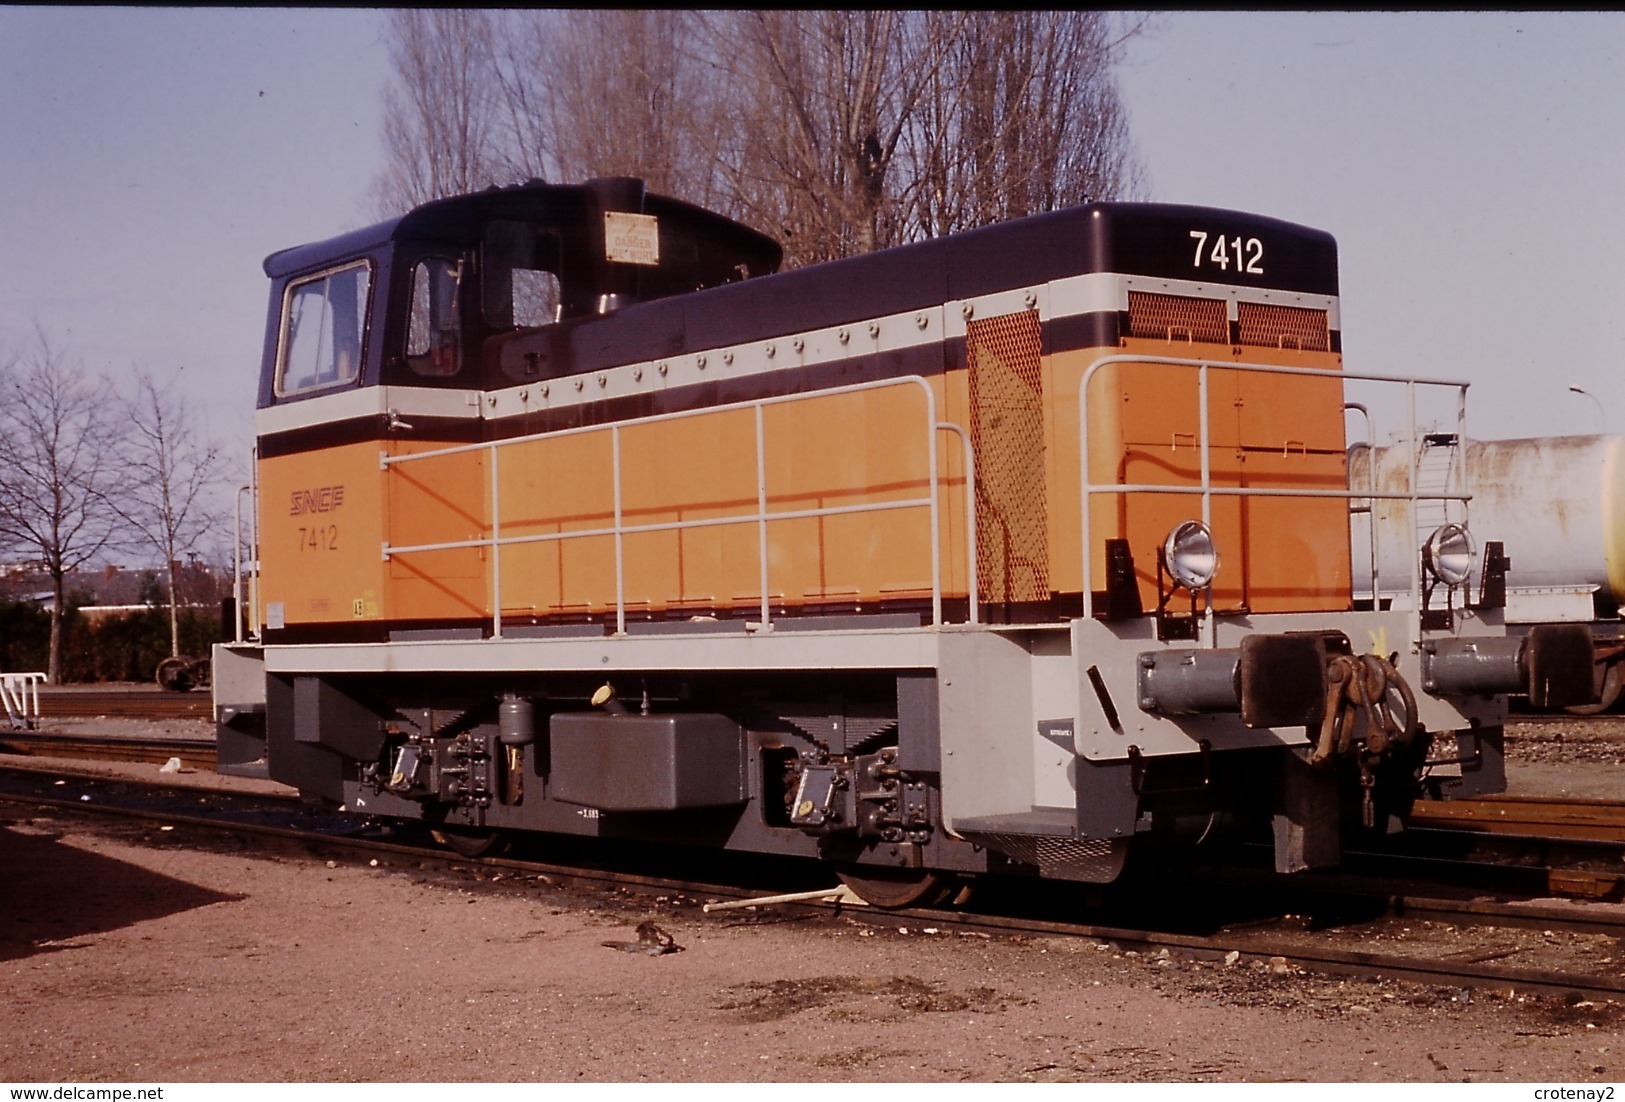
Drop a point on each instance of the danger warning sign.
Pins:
(631, 238)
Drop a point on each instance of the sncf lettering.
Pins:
(323, 499)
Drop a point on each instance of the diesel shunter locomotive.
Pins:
(996, 554)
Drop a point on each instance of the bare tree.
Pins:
(609, 93)
(60, 469)
(836, 131)
(1023, 117)
(173, 468)
(441, 117)
(819, 102)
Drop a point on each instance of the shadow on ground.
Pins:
(52, 893)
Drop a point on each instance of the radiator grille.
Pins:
(1284, 327)
(1177, 318)
(1007, 432)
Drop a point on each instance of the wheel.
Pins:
(471, 841)
(893, 889)
(1608, 689)
(175, 674)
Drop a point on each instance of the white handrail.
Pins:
(618, 529)
(972, 583)
(20, 694)
(1208, 491)
(237, 563)
(251, 488)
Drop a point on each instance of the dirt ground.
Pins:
(127, 956)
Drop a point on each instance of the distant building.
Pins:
(111, 586)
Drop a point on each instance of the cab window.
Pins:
(535, 298)
(324, 322)
(521, 284)
(434, 344)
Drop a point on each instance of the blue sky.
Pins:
(151, 158)
(1470, 165)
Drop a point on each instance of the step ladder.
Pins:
(1439, 470)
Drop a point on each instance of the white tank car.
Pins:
(1556, 504)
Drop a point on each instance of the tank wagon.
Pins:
(1557, 504)
(991, 554)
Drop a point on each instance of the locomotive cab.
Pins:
(480, 291)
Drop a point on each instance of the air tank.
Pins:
(1555, 503)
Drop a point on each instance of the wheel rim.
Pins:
(891, 889)
(175, 675)
(470, 841)
(1607, 693)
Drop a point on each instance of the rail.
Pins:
(1207, 491)
(761, 517)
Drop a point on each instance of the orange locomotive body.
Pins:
(523, 451)
(691, 480)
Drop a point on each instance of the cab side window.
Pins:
(434, 337)
(521, 283)
(535, 298)
(324, 324)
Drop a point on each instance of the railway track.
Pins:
(1270, 942)
(131, 703)
(192, 753)
(1601, 721)
(1543, 816)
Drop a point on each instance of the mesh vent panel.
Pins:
(1177, 318)
(1094, 860)
(1284, 327)
(1007, 432)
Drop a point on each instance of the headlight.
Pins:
(1190, 556)
(1448, 554)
